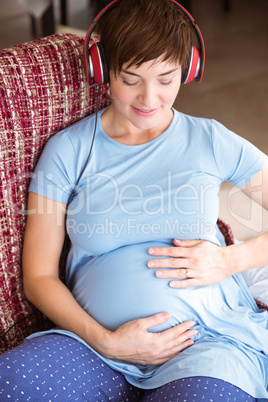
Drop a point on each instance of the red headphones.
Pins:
(96, 67)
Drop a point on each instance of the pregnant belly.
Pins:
(117, 287)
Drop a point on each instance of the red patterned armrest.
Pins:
(226, 232)
(42, 90)
(262, 306)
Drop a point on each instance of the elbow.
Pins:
(28, 289)
(31, 287)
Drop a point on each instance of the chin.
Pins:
(145, 123)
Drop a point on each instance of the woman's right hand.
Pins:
(133, 342)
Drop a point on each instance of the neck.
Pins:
(122, 130)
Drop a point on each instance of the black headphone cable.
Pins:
(67, 242)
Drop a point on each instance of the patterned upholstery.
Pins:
(42, 90)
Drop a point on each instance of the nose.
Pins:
(147, 96)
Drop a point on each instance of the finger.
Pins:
(168, 263)
(181, 330)
(185, 338)
(186, 243)
(183, 327)
(181, 338)
(168, 251)
(172, 341)
(179, 273)
(177, 343)
(154, 320)
(185, 284)
(174, 351)
(183, 346)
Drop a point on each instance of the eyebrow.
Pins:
(160, 75)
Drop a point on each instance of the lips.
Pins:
(145, 112)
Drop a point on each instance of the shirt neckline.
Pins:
(140, 146)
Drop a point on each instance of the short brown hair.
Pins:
(137, 31)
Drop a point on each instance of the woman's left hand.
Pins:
(198, 262)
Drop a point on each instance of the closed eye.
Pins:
(167, 83)
(130, 84)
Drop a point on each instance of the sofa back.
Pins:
(42, 90)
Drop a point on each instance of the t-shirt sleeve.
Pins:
(237, 159)
(54, 175)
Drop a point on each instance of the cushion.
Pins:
(42, 90)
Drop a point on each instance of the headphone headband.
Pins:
(195, 69)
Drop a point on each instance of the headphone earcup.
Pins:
(98, 69)
(193, 68)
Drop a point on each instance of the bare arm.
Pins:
(132, 342)
(253, 253)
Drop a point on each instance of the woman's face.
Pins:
(143, 96)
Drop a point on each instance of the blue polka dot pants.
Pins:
(58, 368)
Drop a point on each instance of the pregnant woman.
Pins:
(154, 308)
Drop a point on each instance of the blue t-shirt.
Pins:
(130, 198)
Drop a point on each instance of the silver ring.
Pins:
(187, 273)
